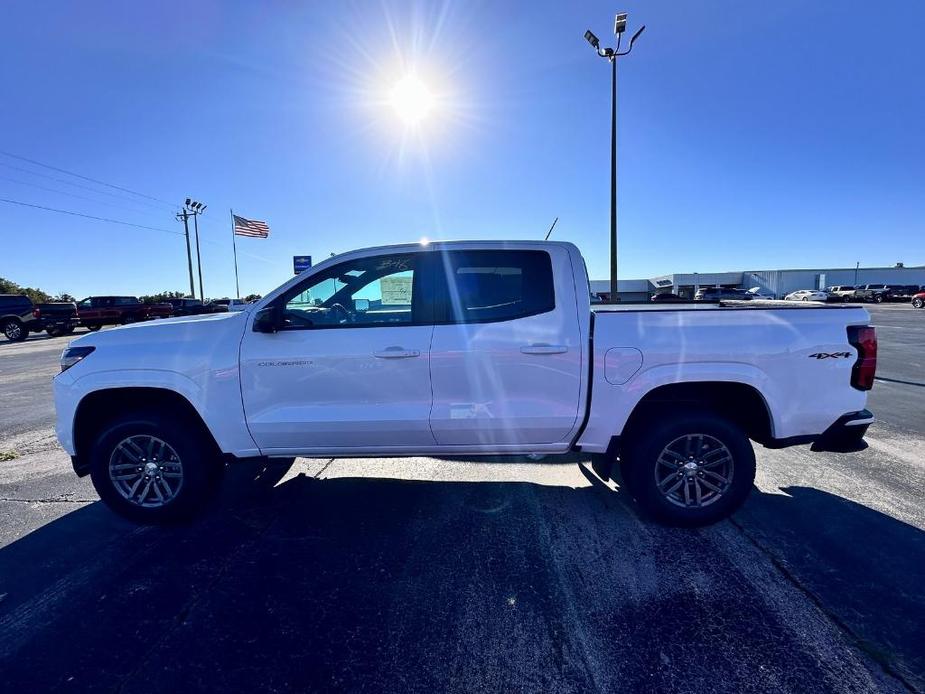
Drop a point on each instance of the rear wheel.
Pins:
(918, 303)
(878, 298)
(94, 328)
(689, 469)
(54, 332)
(15, 331)
(152, 468)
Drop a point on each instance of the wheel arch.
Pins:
(741, 403)
(99, 406)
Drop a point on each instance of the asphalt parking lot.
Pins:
(420, 574)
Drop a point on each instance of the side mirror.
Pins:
(361, 305)
(266, 320)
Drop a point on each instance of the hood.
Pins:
(166, 330)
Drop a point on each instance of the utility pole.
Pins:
(612, 54)
(857, 266)
(184, 216)
(193, 209)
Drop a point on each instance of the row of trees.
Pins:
(40, 297)
(37, 295)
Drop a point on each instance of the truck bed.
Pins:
(708, 306)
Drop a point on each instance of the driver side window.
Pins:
(365, 292)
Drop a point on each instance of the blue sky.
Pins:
(751, 135)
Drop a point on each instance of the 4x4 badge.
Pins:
(830, 355)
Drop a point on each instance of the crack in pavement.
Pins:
(855, 639)
(49, 501)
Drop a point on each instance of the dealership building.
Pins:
(778, 283)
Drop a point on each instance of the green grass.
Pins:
(8, 455)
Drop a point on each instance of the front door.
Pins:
(349, 367)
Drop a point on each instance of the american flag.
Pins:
(250, 227)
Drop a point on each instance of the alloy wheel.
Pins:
(146, 471)
(694, 470)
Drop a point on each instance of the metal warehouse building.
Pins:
(776, 282)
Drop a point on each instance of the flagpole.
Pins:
(234, 245)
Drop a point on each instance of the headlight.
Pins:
(72, 355)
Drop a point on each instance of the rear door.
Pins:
(506, 353)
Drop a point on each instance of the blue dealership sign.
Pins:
(301, 263)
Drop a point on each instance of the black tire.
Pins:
(878, 298)
(69, 330)
(642, 469)
(187, 452)
(15, 330)
(846, 298)
(805, 298)
(918, 303)
(54, 332)
(93, 328)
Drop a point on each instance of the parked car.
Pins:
(463, 348)
(903, 292)
(187, 307)
(15, 316)
(714, 294)
(759, 293)
(96, 311)
(223, 305)
(58, 318)
(876, 293)
(669, 297)
(19, 317)
(807, 295)
(918, 301)
(164, 309)
(841, 292)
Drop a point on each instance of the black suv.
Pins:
(187, 307)
(15, 316)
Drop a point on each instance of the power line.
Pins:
(72, 195)
(117, 196)
(90, 216)
(87, 178)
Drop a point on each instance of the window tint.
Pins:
(499, 285)
(365, 292)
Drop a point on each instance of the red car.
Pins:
(96, 311)
(919, 300)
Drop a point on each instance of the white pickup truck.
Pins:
(463, 348)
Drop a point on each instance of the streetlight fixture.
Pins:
(611, 54)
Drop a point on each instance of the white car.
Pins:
(463, 349)
(807, 295)
(759, 293)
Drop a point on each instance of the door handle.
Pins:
(397, 353)
(544, 349)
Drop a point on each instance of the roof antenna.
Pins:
(549, 233)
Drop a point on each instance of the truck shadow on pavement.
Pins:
(346, 584)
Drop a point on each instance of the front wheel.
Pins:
(152, 468)
(918, 303)
(878, 298)
(94, 328)
(689, 469)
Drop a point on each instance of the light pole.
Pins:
(612, 54)
(194, 209)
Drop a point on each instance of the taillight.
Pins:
(36, 313)
(864, 339)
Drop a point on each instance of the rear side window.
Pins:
(488, 286)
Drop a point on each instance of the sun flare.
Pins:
(412, 100)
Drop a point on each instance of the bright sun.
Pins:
(411, 100)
